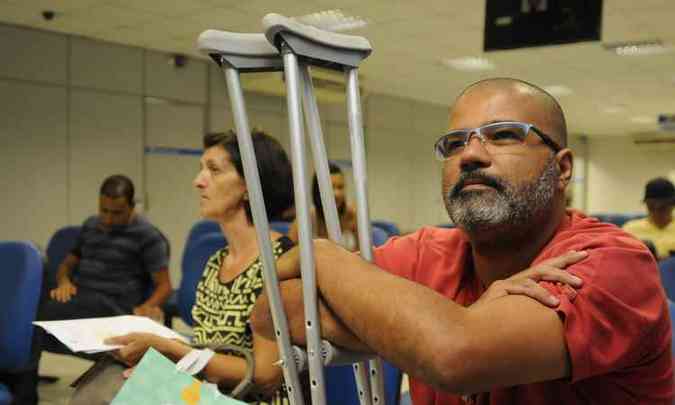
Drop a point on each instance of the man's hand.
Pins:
(64, 291)
(527, 281)
(135, 346)
(151, 311)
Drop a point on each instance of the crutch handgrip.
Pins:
(337, 356)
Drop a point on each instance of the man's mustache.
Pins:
(480, 177)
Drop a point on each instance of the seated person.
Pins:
(107, 273)
(441, 304)
(658, 227)
(346, 212)
(233, 277)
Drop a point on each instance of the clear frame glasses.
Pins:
(497, 135)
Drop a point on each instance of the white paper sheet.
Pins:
(87, 335)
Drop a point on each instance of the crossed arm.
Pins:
(458, 349)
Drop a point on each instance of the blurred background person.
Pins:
(346, 212)
(658, 227)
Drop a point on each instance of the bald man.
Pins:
(451, 307)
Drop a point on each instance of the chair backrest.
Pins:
(194, 261)
(667, 268)
(380, 236)
(280, 226)
(616, 218)
(341, 388)
(200, 228)
(671, 309)
(20, 284)
(389, 227)
(60, 244)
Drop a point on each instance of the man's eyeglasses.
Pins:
(498, 134)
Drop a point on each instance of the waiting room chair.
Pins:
(280, 226)
(388, 226)
(667, 268)
(198, 229)
(671, 309)
(194, 260)
(341, 388)
(60, 244)
(20, 283)
(380, 236)
(201, 227)
(5, 395)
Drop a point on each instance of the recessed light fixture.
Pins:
(642, 119)
(638, 48)
(332, 20)
(468, 64)
(558, 90)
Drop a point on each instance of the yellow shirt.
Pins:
(663, 238)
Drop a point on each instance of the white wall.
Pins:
(618, 170)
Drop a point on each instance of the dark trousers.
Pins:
(85, 304)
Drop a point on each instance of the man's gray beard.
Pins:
(510, 208)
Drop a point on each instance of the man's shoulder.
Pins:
(426, 238)
(90, 222)
(142, 224)
(585, 233)
(636, 225)
(614, 259)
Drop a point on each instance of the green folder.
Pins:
(155, 381)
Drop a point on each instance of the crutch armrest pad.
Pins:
(234, 43)
(275, 24)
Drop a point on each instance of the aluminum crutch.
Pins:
(237, 53)
(300, 46)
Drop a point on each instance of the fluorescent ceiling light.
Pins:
(558, 90)
(332, 20)
(643, 119)
(638, 48)
(468, 64)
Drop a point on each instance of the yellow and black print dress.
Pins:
(222, 310)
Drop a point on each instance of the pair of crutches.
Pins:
(292, 47)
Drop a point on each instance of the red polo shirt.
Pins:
(617, 326)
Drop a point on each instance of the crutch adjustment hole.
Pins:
(313, 383)
(309, 324)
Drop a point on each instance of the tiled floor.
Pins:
(67, 368)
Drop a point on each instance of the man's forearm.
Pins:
(162, 289)
(66, 267)
(408, 324)
(332, 329)
(159, 295)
